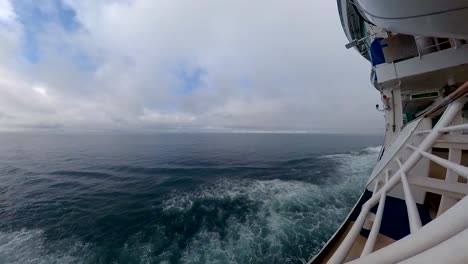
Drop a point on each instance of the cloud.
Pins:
(149, 65)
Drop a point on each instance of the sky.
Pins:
(206, 65)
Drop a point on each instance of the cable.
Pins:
(407, 17)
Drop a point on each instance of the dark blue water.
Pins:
(176, 198)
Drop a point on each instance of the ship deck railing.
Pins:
(451, 223)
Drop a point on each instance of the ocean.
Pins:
(175, 197)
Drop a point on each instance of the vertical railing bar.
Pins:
(341, 253)
(370, 243)
(399, 162)
(455, 155)
(376, 186)
(387, 175)
(413, 214)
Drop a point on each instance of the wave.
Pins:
(31, 246)
(371, 150)
(263, 221)
(375, 149)
(228, 219)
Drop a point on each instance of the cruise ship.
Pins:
(414, 207)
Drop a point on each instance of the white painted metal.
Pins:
(400, 176)
(453, 248)
(456, 190)
(459, 169)
(459, 139)
(398, 161)
(463, 127)
(454, 138)
(413, 214)
(392, 148)
(419, 17)
(446, 143)
(335, 234)
(347, 243)
(422, 132)
(376, 186)
(455, 155)
(437, 231)
(445, 120)
(432, 62)
(403, 168)
(370, 243)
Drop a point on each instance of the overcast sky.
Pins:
(147, 65)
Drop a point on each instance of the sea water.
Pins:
(177, 198)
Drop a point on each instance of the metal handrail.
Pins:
(442, 125)
(370, 243)
(435, 45)
(438, 45)
(413, 214)
(459, 169)
(434, 233)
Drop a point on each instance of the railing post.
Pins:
(457, 168)
(376, 186)
(345, 246)
(370, 243)
(451, 176)
(434, 233)
(413, 214)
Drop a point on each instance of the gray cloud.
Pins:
(199, 65)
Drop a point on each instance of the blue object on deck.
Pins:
(376, 50)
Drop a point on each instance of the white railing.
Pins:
(401, 176)
(413, 214)
(426, 49)
(441, 229)
(370, 243)
(458, 169)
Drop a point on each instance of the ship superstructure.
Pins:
(414, 208)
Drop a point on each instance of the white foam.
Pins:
(29, 246)
(372, 150)
(289, 214)
(375, 149)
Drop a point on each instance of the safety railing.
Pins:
(404, 166)
(435, 44)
